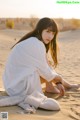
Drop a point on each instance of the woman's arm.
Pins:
(44, 68)
(57, 80)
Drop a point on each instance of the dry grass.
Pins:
(29, 23)
(10, 24)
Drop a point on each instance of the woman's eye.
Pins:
(48, 31)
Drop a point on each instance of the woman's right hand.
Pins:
(61, 89)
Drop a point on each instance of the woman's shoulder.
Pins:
(35, 45)
(35, 41)
(31, 43)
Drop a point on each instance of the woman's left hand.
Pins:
(61, 89)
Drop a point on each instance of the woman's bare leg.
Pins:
(68, 85)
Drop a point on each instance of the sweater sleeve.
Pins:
(44, 69)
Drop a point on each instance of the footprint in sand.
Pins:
(75, 112)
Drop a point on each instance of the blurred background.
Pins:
(24, 14)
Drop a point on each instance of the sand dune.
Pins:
(69, 68)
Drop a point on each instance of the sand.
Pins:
(69, 68)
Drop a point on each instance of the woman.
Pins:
(28, 64)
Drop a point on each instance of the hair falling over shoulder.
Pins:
(42, 24)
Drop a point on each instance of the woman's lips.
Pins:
(47, 40)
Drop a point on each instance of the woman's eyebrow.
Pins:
(50, 30)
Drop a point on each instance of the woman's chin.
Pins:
(47, 42)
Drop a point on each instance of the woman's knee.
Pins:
(55, 105)
(50, 104)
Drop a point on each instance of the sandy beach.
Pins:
(69, 68)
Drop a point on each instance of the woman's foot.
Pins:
(54, 90)
(50, 88)
(75, 86)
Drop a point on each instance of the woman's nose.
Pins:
(50, 36)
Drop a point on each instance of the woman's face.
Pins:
(47, 36)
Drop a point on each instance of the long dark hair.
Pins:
(45, 23)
